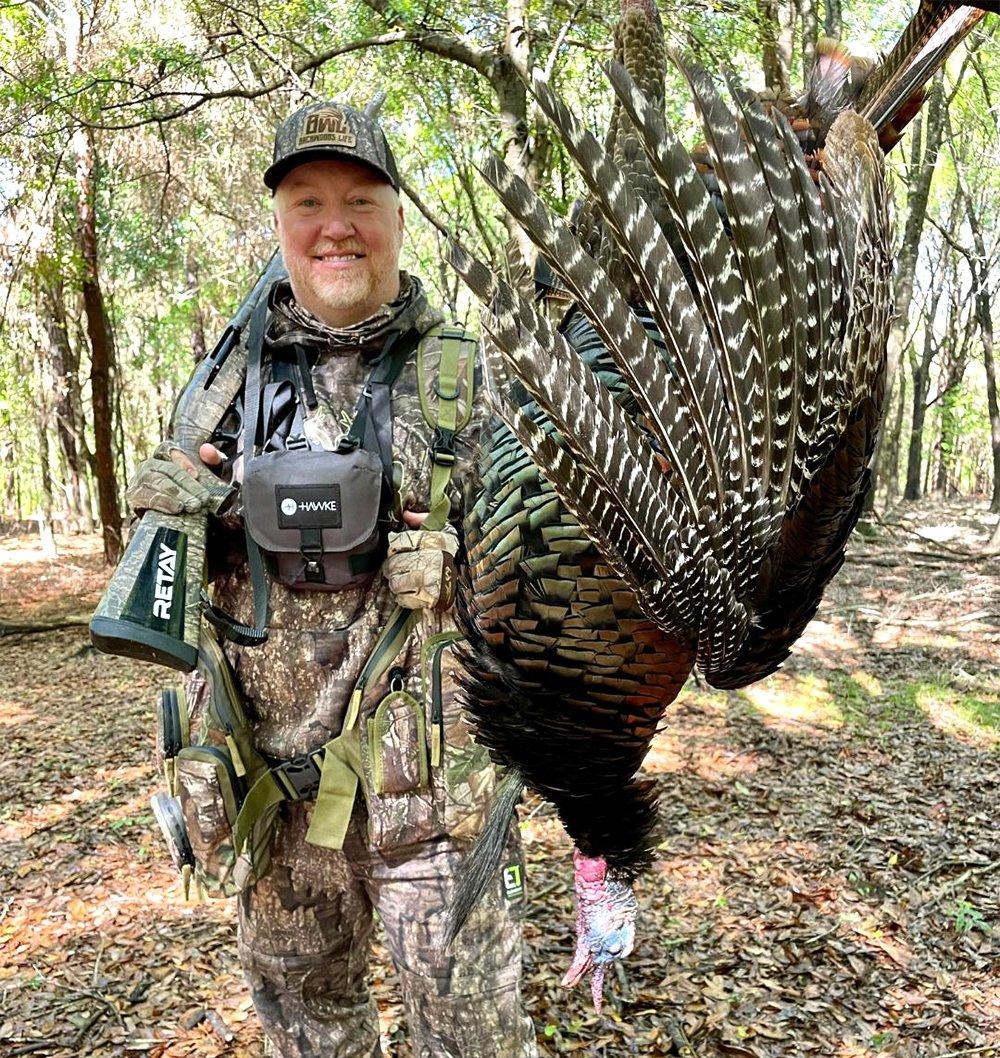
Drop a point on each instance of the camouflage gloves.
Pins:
(420, 568)
(175, 481)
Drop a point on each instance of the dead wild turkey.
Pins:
(686, 415)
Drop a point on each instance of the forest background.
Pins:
(133, 219)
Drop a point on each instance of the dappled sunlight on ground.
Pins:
(13, 715)
(826, 642)
(36, 818)
(942, 533)
(802, 701)
(684, 743)
(117, 773)
(867, 683)
(978, 722)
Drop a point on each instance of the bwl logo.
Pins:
(326, 126)
(165, 566)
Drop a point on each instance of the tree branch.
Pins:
(447, 45)
(420, 38)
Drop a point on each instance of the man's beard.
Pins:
(344, 291)
(336, 292)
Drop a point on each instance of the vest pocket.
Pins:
(397, 745)
(210, 792)
(395, 774)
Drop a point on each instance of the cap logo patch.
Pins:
(327, 127)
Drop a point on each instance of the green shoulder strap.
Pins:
(442, 413)
(443, 417)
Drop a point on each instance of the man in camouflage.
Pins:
(305, 927)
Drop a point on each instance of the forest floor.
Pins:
(829, 880)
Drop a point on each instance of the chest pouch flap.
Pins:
(315, 513)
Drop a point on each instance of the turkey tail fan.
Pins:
(580, 407)
(713, 378)
(749, 208)
(622, 468)
(480, 865)
(894, 91)
(773, 359)
(790, 374)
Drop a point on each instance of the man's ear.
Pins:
(275, 222)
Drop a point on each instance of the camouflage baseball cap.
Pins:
(330, 130)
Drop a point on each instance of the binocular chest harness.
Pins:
(321, 517)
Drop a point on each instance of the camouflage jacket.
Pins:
(299, 682)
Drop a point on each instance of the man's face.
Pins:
(340, 227)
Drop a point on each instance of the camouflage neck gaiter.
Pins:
(292, 324)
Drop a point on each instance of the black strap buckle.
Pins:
(443, 447)
(300, 776)
(311, 550)
(347, 444)
(314, 571)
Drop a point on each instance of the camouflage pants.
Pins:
(304, 941)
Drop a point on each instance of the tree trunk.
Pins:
(64, 368)
(984, 317)
(922, 161)
(993, 544)
(834, 22)
(889, 467)
(944, 451)
(509, 69)
(921, 378)
(43, 419)
(810, 34)
(979, 265)
(11, 498)
(98, 324)
(101, 359)
(957, 346)
(776, 69)
(989, 361)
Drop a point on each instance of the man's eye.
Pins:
(309, 203)
(361, 202)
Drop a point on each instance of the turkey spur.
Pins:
(686, 415)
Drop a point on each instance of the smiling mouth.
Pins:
(337, 258)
